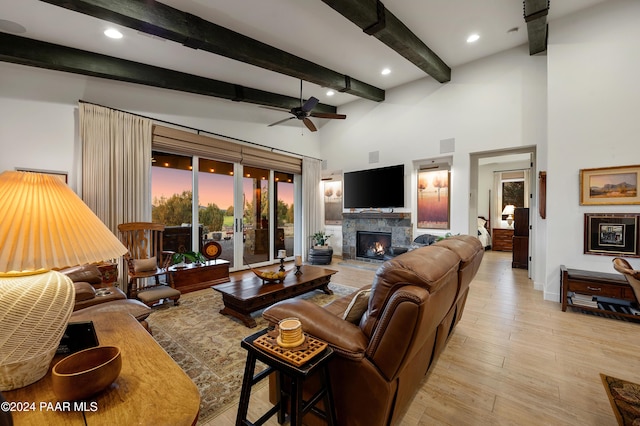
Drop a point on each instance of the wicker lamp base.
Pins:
(34, 312)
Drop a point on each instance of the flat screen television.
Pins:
(374, 188)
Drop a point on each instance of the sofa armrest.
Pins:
(344, 337)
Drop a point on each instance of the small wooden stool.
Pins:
(285, 371)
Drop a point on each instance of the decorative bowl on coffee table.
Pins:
(270, 276)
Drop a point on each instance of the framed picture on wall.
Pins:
(609, 185)
(60, 175)
(333, 202)
(611, 234)
(433, 199)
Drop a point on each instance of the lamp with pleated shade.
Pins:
(44, 225)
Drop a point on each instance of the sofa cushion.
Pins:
(137, 309)
(84, 291)
(84, 273)
(144, 265)
(358, 305)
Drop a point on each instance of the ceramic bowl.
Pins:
(85, 373)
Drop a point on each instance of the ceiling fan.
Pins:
(304, 111)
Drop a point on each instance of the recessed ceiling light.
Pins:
(473, 38)
(113, 33)
(330, 93)
(385, 71)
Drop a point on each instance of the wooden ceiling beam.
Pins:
(376, 20)
(163, 21)
(535, 15)
(25, 51)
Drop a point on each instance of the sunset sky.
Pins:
(214, 188)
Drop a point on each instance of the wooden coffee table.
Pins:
(243, 297)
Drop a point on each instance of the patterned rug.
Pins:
(625, 400)
(206, 344)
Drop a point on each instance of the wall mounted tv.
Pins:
(374, 188)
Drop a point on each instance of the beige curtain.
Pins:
(116, 167)
(312, 219)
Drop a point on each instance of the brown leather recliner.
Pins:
(416, 300)
(88, 300)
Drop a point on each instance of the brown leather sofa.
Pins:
(380, 360)
(90, 300)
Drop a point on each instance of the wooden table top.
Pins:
(151, 388)
(252, 287)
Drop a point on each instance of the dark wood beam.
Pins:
(376, 20)
(163, 21)
(25, 51)
(535, 15)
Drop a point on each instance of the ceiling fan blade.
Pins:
(327, 115)
(310, 104)
(309, 124)
(281, 121)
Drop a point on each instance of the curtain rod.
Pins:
(198, 131)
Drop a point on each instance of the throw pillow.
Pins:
(144, 265)
(357, 307)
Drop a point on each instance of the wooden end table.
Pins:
(243, 297)
(295, 376)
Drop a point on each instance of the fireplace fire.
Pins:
(372, 245)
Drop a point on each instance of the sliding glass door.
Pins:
(248, 210)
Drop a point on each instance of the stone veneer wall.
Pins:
(398, 224)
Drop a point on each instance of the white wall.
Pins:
(594, 64)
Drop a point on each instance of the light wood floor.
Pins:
(514, 358)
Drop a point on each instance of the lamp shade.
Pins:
(509, 209)
(45, 225)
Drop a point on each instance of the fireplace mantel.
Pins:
(398, 224)
(374, 215)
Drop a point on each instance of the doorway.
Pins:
(486, 195)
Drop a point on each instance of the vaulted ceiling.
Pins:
(258, 51)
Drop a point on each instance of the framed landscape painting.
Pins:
(433, 199)
(611, 234)
(609, 185)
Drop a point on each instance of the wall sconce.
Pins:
(509, 210)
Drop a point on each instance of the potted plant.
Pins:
(320, 238)
(191, 256)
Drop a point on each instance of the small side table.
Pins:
(285, 371)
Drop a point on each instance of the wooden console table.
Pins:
(196, 277)
(151, 388)
(592, 283)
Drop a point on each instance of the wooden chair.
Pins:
(632, 275)
(147, 263)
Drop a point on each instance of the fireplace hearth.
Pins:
(372, 245)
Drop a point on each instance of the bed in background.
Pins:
(483, 232)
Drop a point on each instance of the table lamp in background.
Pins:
(509, 210)
(44, 225)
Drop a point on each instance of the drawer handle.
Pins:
(594, 288)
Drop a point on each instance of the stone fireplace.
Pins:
(395, 229)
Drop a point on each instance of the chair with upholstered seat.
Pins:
(147, 263)
(632, 275)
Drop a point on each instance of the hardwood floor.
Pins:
(513, 359)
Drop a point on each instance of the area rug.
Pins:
(625, 399)
(206, 344)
